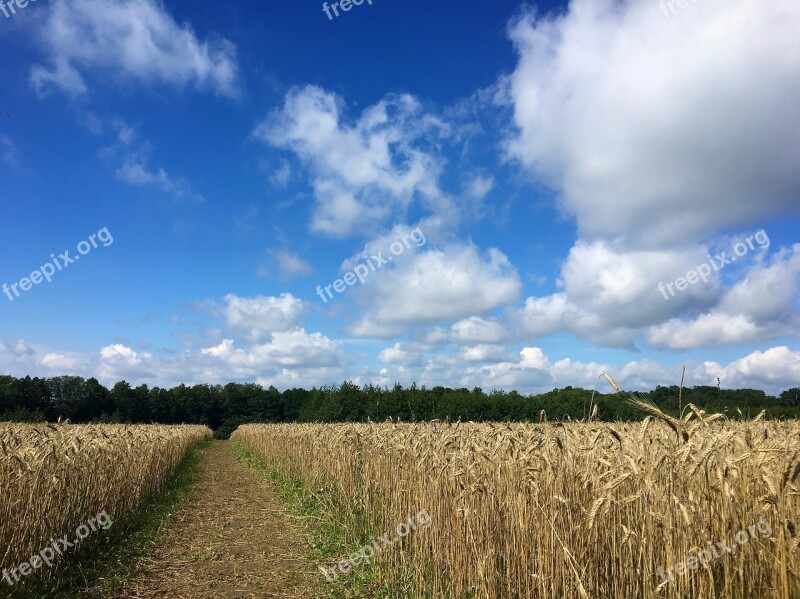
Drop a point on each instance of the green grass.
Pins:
(335, 533)
(106, 560)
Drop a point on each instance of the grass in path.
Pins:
(335, 534)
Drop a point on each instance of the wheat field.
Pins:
(55, 476)
(562, 510)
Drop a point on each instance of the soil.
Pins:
(232, 538)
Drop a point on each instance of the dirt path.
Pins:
(233, 538)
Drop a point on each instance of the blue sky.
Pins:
(548, 166)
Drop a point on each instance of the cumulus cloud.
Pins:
(483, 352)
(261, 316)
(757, 308)
(399, 354)
(128, 40)
(774, 369)
(22, 359)
(363, 172)
(289, 358)
(533, 371)
(453, 283)
(610, 293)
(660, 130)
(223, 350)
(478, 330)
(119, 362)
(58, 363)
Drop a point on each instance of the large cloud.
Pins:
(609, 294)
(447, 284)
(660, 130)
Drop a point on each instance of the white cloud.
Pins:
(125, 133)
(757, 308)
(398, 354)
(128, 40)
(478, 330)
(261, 316)
(412, 238)
(289, 358)
(21, 359)
(297, 358)
(448, 284)
(368, 326)
(118, 351)
(661, 130)
(711, 329)
(121, 362)
(363, 172)
(533, 371)
(18, 348)
(60, 363)
(775, 369)
(610, 293)
(223, 350)
(483, 352)
(295, 349)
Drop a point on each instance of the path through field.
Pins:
(232, 538)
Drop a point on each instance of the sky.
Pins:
(458, 193)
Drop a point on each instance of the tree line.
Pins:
(224, 407)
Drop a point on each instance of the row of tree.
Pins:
(224, 407)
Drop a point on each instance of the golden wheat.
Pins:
(55, 477)
(561, 510)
